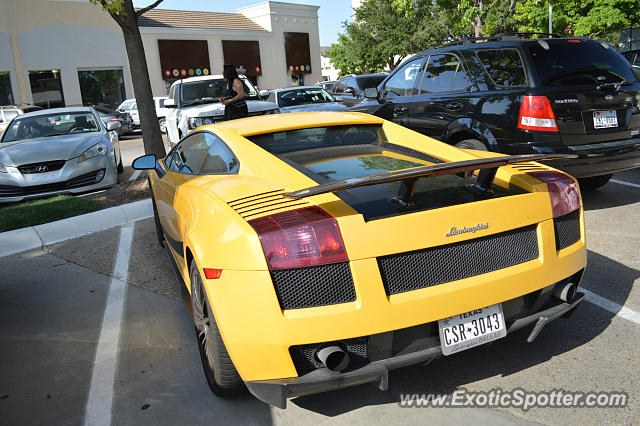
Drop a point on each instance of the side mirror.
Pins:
(113, 125)
(169, 103)
(371, 93)
(146, 162)
(349, 90)
(338, 98)
(263, 94)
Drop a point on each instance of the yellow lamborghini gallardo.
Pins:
(321, 250)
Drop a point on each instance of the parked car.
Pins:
(350, 89)
(195, 101)
(327, 85)
(304, 98)
(58, 151)
(130, 106)
(108, 114)
(515, 95)
(322, 250)
(9, 112)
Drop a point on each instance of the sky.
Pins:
(331, 15)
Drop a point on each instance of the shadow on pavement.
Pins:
(610, 195)
(501, 358)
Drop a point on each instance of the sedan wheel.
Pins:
(163, 125)
(221, 374)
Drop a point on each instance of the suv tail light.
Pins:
(300, 238)
(536, 114)
(563, 191)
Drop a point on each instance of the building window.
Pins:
(46, 88)
(102, 87)
(6, 95)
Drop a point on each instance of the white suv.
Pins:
(194, 102)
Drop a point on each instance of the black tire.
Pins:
(163, 125)
(222, 376)
(472, 144)
(594, 182)
(120, 166)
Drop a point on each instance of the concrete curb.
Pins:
(20, 240)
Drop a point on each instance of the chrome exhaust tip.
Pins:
(565, 292)
(333, 357)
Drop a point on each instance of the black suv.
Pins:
(351, 87)
(515, 96)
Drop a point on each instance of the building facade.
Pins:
(70, 52)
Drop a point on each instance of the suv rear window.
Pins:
(504, 66)
(579, 62)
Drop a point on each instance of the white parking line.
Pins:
(621, 182)
(611, 306)
(135, 175)
(100, 399)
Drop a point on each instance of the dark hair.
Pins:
(229, 72)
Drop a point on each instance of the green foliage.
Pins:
(382, 36)
(115, 7)
(37, 212)
(590, 18)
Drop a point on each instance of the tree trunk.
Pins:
(151, 135)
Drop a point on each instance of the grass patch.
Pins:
(37, 212)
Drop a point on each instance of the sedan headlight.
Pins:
(97, 150)
(195, 122)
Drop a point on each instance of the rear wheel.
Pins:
(472, 144)
(163, 125)
(221, 374)
(594, 182)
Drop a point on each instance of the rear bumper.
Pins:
(593, 159)
(276, 392)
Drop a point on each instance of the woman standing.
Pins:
(234, 103)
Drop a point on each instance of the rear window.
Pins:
(317, 137)
(504, 66)
(580, 62)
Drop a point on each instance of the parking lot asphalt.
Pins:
(52, 316)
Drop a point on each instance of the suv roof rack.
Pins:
(498, 37)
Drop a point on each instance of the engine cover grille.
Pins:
(567, 229)
(45, 166)
(303, 356)
(438, 265)
(314, 286)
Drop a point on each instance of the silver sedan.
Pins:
(57, 151)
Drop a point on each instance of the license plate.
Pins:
(470, 329)
(604, 119)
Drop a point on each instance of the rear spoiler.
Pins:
(487, 166)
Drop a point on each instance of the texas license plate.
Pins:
(470, 329)
(604, 119)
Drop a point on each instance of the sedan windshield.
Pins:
(303, 96)
(41, 126)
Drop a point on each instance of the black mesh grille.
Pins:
(437, 265)
(77, 182)
(303, 356)
(567, 229)
(45, 166)
(314, 286)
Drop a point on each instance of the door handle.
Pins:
(454, 106)
(400, 109)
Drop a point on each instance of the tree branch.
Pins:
(148, 8)
(486, 11)
(442, 24)
(507, 13)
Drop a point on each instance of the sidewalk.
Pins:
(32, 237)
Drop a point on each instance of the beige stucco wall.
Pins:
(72, 35)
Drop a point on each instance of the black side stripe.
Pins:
(177, 246)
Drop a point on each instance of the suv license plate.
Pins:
(604, 119)
(470, 329)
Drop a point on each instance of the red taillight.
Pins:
(114, 119)
(573, 41)
(563, 191)
(212, 274)
(299, 238)
(536, 114)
